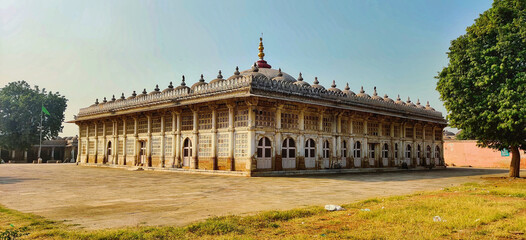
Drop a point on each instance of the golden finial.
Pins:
(261, 54)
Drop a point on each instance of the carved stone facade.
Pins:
(259, 120)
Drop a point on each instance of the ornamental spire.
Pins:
(262, 63)
(261, 54)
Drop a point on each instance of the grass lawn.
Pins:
(495, 209)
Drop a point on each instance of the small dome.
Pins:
(142, 94)
(363, 94)
(399, 101)
(268, 73)
(155, 91)
(301, 83)
(348, 91)
(317, 84)
(236, 74)
(182, 86)
(96, 103)
(375, 95)
(409, 103)
(334, 88)
(418, 105)
(121, 98)
(428, 107)
(134, 95)
(169, 88)
(282, 77)
(199, 83)
(387, 99)
(218, 79)
(104, 100)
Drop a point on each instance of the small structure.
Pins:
(61, 149)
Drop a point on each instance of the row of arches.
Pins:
(288, 153)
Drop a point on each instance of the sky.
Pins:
(94, 49)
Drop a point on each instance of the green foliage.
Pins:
(484, 85)
(20, 111)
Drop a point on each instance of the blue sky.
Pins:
(94, 49)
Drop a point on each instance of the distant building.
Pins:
(449, 135)
(259, 120)
(58, 149)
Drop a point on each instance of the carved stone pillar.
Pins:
(231, 109)
(194, 164)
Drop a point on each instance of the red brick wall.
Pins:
(466, 153)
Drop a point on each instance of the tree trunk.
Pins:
(515, 164)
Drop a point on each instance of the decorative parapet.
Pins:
(286, 87)
(258, 82)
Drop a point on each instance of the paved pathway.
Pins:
(97, 197)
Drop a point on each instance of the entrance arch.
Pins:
(264, 150)
(187, 152)
(288, 154)
(310, 153)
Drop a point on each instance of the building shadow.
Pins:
(12, 180)
(408, 175)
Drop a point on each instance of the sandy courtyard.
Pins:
(96, 197)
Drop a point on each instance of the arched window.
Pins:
(288, 153)
(357, 149)
(396, 150)
(344, 148)
(310, 153)
(326, 149)
(385, 151)
(428, 151)
(408, 151)
(264, 158)
(418, 152)
(437, 152)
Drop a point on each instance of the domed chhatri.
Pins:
(266, 70)
(300, 82)
(182, 86)
(199, 83)
(169, 88)
(207, 126)
(399, 101)
(237, 74)
(363, 94)
(348, 91)
(134, 95)
(218, 79)
(316, 84)
(387, 99)
(334, 88)
(155, 91)
(375, 96)
(428, 107)
(409, 103)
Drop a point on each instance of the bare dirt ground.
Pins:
(96, 197)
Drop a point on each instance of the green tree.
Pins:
(484, 85)
(20, 112)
